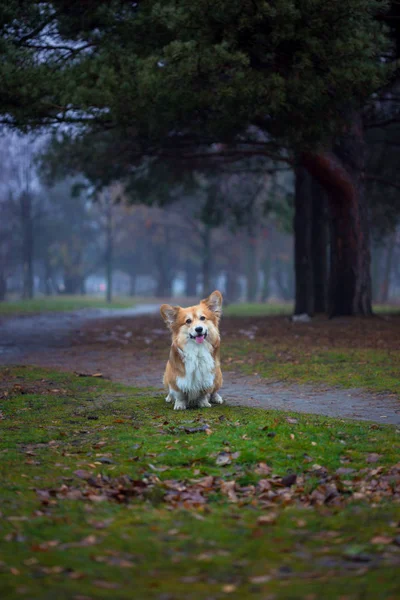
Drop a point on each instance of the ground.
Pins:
(340, 367)
(105, 486)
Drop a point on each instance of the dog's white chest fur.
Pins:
(199, 369)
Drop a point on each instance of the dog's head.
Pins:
(196, 324)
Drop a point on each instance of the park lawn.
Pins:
(258, 309)
(261, 309)
(346, 352)
(61, 304)
(108, 493)
(373, 370)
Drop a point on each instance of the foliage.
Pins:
(180, 73)
(105, 485)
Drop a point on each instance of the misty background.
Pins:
(229, 227)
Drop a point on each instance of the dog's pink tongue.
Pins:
(199, 339)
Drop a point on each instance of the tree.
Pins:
(260, 78)
(21, 189)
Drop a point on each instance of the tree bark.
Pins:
(266, 269)
(252, 268)
(109, 248)
(72, 283)
(190, 279)
(388, 267)
(48, 275)
(319, 246)
(341, 174)
(232, 292)
(303, 259)
(206, 261)
(3, 285)
(376, 272)
(132, 284)
(27, 244)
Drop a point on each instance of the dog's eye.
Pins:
(188, 321)
(202, 318)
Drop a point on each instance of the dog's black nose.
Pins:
(199, 329)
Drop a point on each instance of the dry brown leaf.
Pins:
(269, 519)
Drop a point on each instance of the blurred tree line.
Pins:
(200, 230)
(153, 94)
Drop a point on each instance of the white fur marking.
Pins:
(199, 369)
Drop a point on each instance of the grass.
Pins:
(258, 309)
(369, 369)
(60, 304)
(62, 435)
(261, 309)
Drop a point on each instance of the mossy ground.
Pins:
(259, 309)
(61, 304)
(372, 370)
(54, 425)
(345, 352)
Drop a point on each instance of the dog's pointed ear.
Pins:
(214, 303)
(169, 314)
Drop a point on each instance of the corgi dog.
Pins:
(193, 373)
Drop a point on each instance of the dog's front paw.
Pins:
(204, 403)
(179, 405)
(168, 398)
(216, 399)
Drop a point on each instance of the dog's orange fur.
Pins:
(176, 319)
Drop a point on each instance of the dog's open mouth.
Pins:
(199, 339)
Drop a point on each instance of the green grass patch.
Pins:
(260, 309)
(373, 370)
(61, 304)
(62, 435)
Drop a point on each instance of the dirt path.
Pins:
(131, 347)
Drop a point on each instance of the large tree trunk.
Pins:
(376, 272)
(72, 283)
(206, 260)
(303, 260)
(266, 269)
(252, 268)
(132, 284)
(387, 270)
(47, 275)
(109, 255)
(190, 279)
(27, 244)
(341, 174)
(232, 291)
(319, 246)
(3, 285)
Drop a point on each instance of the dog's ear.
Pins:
(169, 314)
(214, 303)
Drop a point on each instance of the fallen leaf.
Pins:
(373, 457)
(229, 588)
(262, 469)
(82, 474)
(383, 540)
(107, 585)
(289, 480)
(269, 519)
(259, 579)
(223, 458)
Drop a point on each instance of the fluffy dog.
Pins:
(193, 374)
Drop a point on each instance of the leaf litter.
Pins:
(331, 489)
